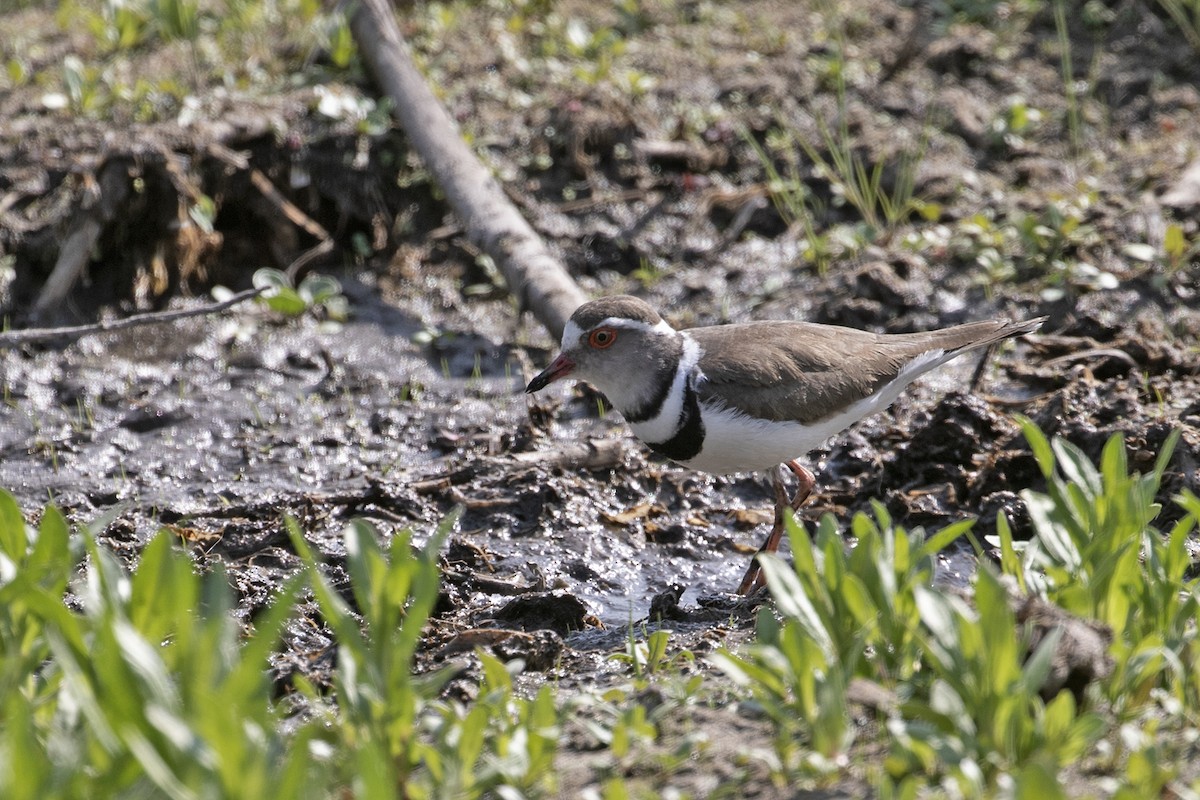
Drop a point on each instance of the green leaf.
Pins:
(1164, 454)
(737, 669)
(270, 278)
(1053, 535)
(1010, 563)
(793, 602)
(1174, 242)
(13, 537)
(473, 730)
(1036, 781)
(1112, 461)
(656, 648)
(1037, 667)
(944, 538)
(857, 599)
(316, 289)
(495, 675)
(51, 561)
(286, 302)
(204, 213)
(1038, 444)
(161, 589)
(938, 616)
(249, 678)
(1077, 467)
(370, 574)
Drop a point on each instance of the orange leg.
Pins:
(805, 481)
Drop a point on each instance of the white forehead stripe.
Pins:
(572, 332)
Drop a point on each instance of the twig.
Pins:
(613, 198)
(1094, 352)
(31, 335)
(307, 257)
(287, 207)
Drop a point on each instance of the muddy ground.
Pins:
(220, 426)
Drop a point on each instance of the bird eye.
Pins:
(602, 338)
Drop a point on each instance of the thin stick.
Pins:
(287, 207)
(29, 336)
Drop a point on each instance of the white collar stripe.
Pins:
(665, 424)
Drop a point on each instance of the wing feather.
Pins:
(805, 372)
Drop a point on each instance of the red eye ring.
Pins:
(602, 338)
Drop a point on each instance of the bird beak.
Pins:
(560, 367)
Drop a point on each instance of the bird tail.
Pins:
(972, 335)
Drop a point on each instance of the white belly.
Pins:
(735, 442)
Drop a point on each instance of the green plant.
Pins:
(500, 744)
(797, 679)
(1186, 16)
(394, 732)
(864, 596)
(34, 564)
(116, 25)
(342, 48)
(796, 205)
(147, 684)
(846, 614)
(1048, 244)
(574, 47)
(861, 185)
(86, 92)
(978, 713)
(1017, 120)
(315, 292)
(647, 273)
(379, 699)
(176, 19)
(1096, 553)
(1074, 117)
(1177, 250)
(151, 688)
(651, 656)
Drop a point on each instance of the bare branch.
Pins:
(534, 275)
(39, 335)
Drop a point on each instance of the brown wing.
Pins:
(805, 372)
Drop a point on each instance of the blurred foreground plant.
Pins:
(146, 684)
(151, 688)
(968, 710)
(1096, 553)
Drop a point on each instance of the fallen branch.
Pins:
(534, 275)
(40, 335)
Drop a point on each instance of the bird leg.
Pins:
(753, 579)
